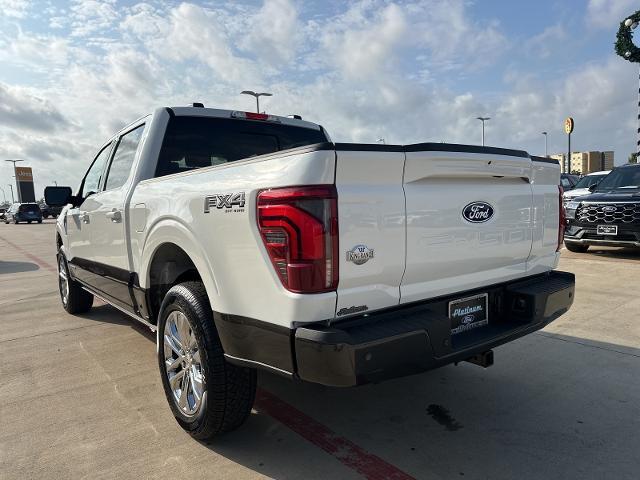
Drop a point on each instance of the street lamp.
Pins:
(483, 119)
(13, 200)
(257, 95)
(16, 175)
(545, 144)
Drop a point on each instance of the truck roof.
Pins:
(197, 111)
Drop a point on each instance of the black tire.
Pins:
(29, 222)
(576, 247)
(15, 222)
(45, 216)
(78, 300)
(39, 221)
(229, 391)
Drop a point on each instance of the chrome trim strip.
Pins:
(258, 364)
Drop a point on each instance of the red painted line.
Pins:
(345, 451)
(41, 263)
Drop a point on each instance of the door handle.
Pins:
(84, 216)
(114, 215)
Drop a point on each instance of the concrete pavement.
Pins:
(80, 396)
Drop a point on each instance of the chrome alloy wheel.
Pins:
(183, 364)
(63, 280)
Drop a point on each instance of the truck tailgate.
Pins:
(469, 221)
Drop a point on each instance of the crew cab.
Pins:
(252, 241)
(609, 215)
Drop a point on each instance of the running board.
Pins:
(151, 326)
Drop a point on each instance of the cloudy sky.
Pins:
(71, 74)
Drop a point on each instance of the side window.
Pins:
(91, 182)
(565, 183)
(123, 158)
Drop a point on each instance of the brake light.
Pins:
(299, 228)
(255, 116)
(562, 218)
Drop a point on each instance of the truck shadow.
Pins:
(8, 267)
(537, 407)
(613, 253)
(105, 313)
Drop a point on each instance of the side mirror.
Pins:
(592, 187)
(58, 196)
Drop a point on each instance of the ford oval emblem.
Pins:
(477, 212)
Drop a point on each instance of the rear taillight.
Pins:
(299, 228)
(562, 218)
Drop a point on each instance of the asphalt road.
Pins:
(80, 396)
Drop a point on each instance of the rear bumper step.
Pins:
(416, 338)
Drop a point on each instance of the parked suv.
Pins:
(583, 185)
(609, 216)
(23, 212)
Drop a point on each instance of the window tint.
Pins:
(624, 177)
(196, 142)
(123, 158)
(94, 175)
(586, 182)
(29, 207)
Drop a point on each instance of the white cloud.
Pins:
(609, 13)
(274, 34)
(19, 108)
(14, 8)
(38, 52)
(92, 16)
(358, 46)
(547, 42)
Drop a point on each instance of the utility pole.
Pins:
(16, 175)
(11, 187)
(257, 95)
(546, 153)
(483, 119)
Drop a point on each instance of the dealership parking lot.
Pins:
(81, 396)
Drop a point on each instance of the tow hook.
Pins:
(484, 359)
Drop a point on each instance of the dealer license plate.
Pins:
(469, 313)
(607, 230)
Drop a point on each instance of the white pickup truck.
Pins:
(252, 241)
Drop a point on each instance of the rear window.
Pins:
(196, 142)
(29, 207)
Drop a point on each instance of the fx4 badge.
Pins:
(360, 254)
(232, 202)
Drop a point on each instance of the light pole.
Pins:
(13, 200)
(15, 175)
(483, 119)
(257, 95)
(546, 153)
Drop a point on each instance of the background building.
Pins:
(586, 162)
